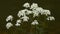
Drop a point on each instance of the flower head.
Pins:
(35, 13)
(22, 12)
(39, 9)
(18, 21)
(8, 25)
(50, 18)
(26, 5)
(25, 18)
(10, 17)
(17, 24)
(34, 6)
(35, 22)
(46, 12)
(28, 12)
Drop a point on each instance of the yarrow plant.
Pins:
(35, 10)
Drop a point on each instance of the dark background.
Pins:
(11, 7)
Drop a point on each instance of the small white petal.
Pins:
(8, 25)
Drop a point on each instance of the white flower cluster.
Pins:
(9, 24)
(34, 9)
